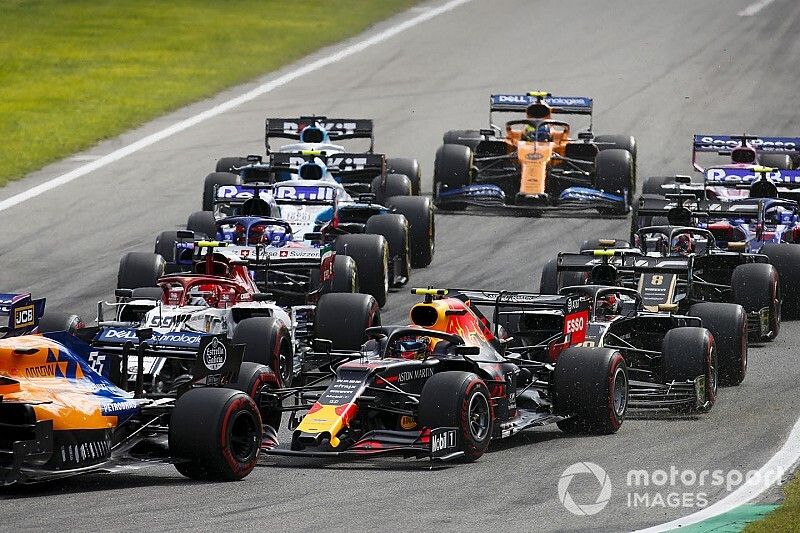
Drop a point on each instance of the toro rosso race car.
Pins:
(690, 285)
(760, 223)
(445, 386)
(219, 296)
(62, 414)
(534, 163)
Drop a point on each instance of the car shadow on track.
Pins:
(93, 483)
(510, 212)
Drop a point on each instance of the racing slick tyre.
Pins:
(140, 269)
(591, 386)
(594, 244)
(343, 319)
(345, 275)
(653, 185)
(252, 379)
(755, 287)
(212, 181)
(227, 164)
(217, 431)
(614, 174)
(621, 142)
(165, 245)
(54, 321)
(408, 167)
(203, 224)
(548, 282)
(468, 138)
(728, 325)
(394, 229)
(371, 254)
(459, 400)
(688, 352)
(452, 169)
(779, 161)
(391, 185)
(418, 210)
(785, 257)
(267, 341)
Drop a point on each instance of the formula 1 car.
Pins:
(533, 163)
(445, 386)
(775, 159)
(698, 285)
(220, 296)
(759, 224)
(60, 417)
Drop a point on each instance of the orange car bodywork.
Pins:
(535, 157)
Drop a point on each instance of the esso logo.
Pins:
(574, 325)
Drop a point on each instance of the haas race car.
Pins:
(218, 295)
(446, 385)
(64, 411)
(533, 163)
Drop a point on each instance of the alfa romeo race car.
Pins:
(445, 386)
(759, 224)
(61, 414)
(219, 296)
(533, 163)
(692, 285)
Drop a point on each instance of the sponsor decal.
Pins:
(333, 128)
(296, 253)
(407, 422)
(575, 325)
(724, 142)
(215, 355)
(24, 317)
(341, 391)
(741, 175)
(180, 338)
(443, 441)
(322, 193)
(235, 192)
(119, 334)
(417, 373)
(41, 371)
(112, 408)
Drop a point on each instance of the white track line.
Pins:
(752, 9)
(783, 461)
(116, 155)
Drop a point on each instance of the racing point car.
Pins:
(62, 414)
(697, 285)
(445, 386)
(760, 223)
(747, 155)
(220, 296)
(315, 202)
(534, 163)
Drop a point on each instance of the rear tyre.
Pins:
(53, 321)
(785, 258)
(394, 229)
(217, 179)
(345, 275)
(452, 169)
(391, 185)
(343, 319)
(621, 142)
(590, 385)
(689, 352)
(217, 431)
(459, 400)
(548, 282)
(614, 174)
(594, 244)
(409, 168)
(165, 245)
(267, 342)
(421, 227)
(779, 161)
(202, 223)
(139, 269)
(468, 138)
(371, 254)
(728, 325)
(654, 185)
(252, 379)
(227, 164)
(755, 287)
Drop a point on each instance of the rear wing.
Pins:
(336, 128)
(696, 209)
(239, 194)
(723, 144)
(346, 167)
(564, 105)
(22, 311)
(744, 177)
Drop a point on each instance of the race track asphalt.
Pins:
(658, 70)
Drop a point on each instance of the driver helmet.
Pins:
(608, 305)
(413, 349)
(533, 133)
(684, 244)
(268, 234)
(239, 235)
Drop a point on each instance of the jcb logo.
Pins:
(23, 317)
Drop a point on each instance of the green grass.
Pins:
(784, 518)
(73, 72)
